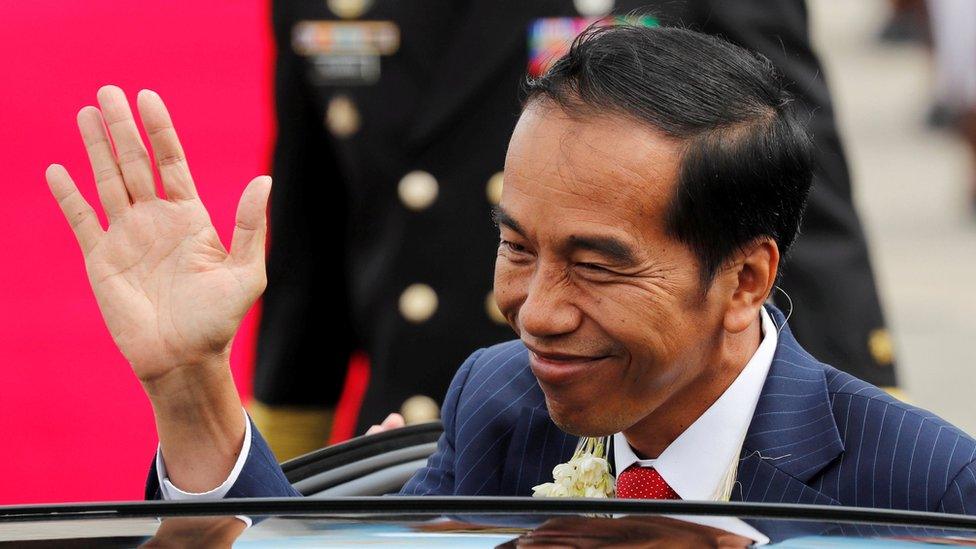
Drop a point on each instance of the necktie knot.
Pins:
(636, 482)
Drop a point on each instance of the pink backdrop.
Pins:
(74, 423)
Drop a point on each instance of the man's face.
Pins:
(610, 307)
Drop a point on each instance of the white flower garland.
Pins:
(587, 474)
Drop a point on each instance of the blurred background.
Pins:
(76, 426)
(913, 187)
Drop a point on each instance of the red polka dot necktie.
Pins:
(636, 482)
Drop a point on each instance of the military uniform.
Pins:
(394, 117)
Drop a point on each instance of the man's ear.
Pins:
(755, 269)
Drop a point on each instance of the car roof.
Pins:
(474, 522)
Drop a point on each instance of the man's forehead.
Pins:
(608, 158)
(602, 169)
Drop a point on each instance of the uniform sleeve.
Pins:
(437, 477)
(828, 274)
(960, 496)
(305, 336)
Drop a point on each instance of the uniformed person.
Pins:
(398, 113)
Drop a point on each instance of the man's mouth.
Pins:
(555, 368)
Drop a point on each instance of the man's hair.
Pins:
(747, 162)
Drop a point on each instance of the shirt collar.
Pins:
(696, 463)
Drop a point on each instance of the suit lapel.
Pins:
(759, 481)
(793, 435)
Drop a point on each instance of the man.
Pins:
(410, 147)
(653, 181)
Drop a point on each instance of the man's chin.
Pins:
(580, 421)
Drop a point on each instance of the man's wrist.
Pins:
(171, 491)
(199, 421)
(199, 377)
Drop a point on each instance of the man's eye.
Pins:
(593, 267)
(513, 246)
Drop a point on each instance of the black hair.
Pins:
(747, 161)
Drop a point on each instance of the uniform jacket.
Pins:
(345, 248)
(818, 436)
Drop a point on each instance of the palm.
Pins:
(161, 280)
(170, 293)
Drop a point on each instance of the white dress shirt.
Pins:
(697, 463)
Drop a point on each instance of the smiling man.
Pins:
(652, 184)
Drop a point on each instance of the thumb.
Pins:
(247, 244)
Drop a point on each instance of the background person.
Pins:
(954, 39)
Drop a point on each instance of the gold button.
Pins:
(491, 307)
(341, 117)
(593, 8)
(418, 303)
(494, 188)
(419, 409)
(881, 347)
(349, 9)
(418, 190)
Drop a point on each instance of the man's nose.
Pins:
(549, 308)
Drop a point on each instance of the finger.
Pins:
(76, 209)
(173, 169)
(133, 157)
(108, 178)
(247, 245)
(374, 429)
(393, 421)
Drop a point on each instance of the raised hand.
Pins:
(170, 293)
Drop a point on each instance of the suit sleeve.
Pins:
(828, 274)
(437, 477)
(261, 476)
(960, 496)
(305, 336)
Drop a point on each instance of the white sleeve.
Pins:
(171, 492)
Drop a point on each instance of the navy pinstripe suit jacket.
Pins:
(818, 436)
